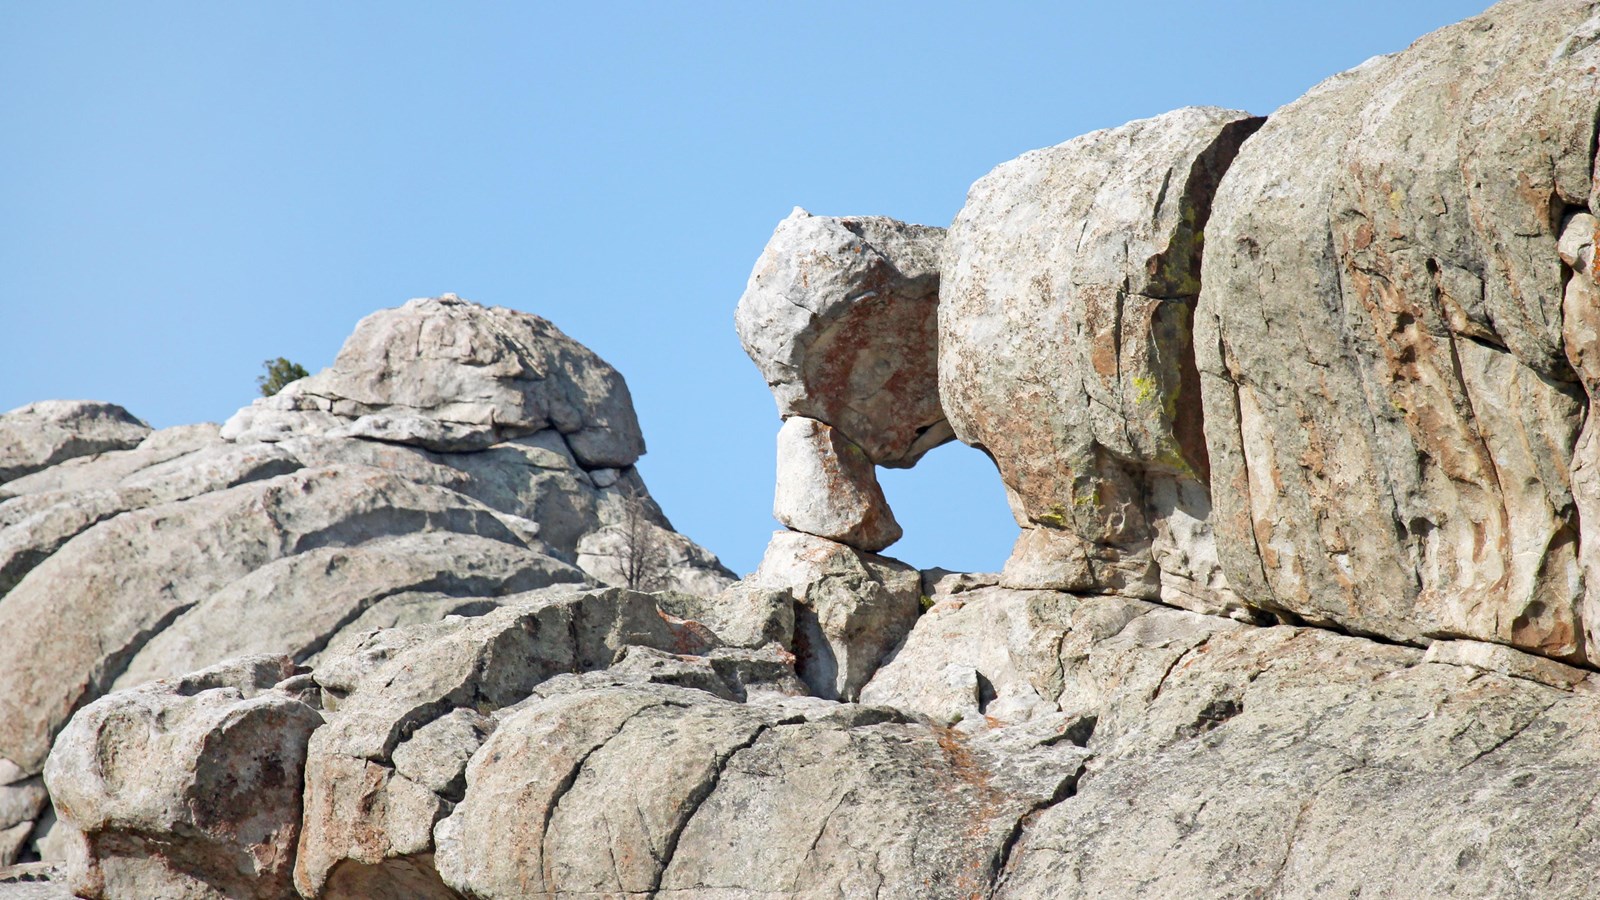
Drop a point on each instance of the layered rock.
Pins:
(585, 745)
(190, 547)
(1234, 760)
(412, 705)
(481, 722)
(1393, 391)
(43, 434)
(1065, 353)
(840, 315)
(449, 375)
(188, 788)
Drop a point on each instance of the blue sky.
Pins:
(191, 188)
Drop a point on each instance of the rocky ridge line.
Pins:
(1159, 695)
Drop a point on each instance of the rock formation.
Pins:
(454, 455)
(1390, 398)
(1086, 258)
(841, 315)
(43, 434)
(1295, 417)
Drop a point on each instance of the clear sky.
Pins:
(187, 189)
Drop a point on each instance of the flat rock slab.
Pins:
(39, 435)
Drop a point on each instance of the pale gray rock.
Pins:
(1506, 661)
(646, 665)
(188, 788)
(743, 615)
(764, 675)
(450, 375)
(108, 469)
(297, 604)
(1293, 762)
(988, 652)
(1392, 407)
(939, 583)
(588, 792)
(1580, 332)
(828, 487)
(618, 790)
(33, 881)
(42, 434)
(788, 815)
(851, 608)
(22, 798)
(535, 477)
(1065, 352)
(35, 525)
(840, 316)
(127, 578)
(1230, 760)
(371, 803)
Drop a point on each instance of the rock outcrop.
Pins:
(454, 456)
(43, 434)
(1394, 396)
(449, 375)
(1296, 418)
(186, 788)
(1066, 353)
(840, 316)
(586, 745)
(851, 608)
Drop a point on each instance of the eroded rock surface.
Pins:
(1393, 393)
(1396, 333)
(587, 745)
(450, 375)
(301, 526)
(840, 316)
(1065, 352)
(410, 706)
(827, 487)
(42, 434)
(188, 788)
(851, 608)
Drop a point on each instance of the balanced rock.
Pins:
(42, 434)
(1393, 394)
(448, 375)
(840, 316)
(827, 487)
(1065, 352)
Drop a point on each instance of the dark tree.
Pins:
(280, 372)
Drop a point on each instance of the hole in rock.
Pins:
(986, 694)
(953, 510)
